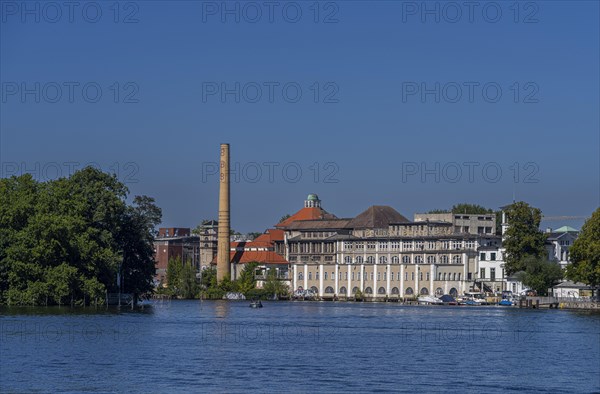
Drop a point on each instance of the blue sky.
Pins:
(528, 79)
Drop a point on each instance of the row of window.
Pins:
(365, 276)
(492, 256)
(410, 245)
(444, 259)
(381, 290)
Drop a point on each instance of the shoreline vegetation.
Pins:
(78, 240)
(72, 241)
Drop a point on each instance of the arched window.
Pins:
(444, 259)
(454, 276)
(381, 290)
(382, 260)
(300, 276)
(343, 290)
(439, 291)
(459, 276)
(453, 292)
(439, 276)
(457, 259)
(329, 290)
(354, 290)
(431, 259)
(359, 260)
(427, 276)
(314, 289)
(368, 290)
(409, 291)
(324, 275)
(348, 260)
(395, 260)
(370, 260)
(406, 259)
(444, 276)
(395, 290)
(424, 291)
(418, 259)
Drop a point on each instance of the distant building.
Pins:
(559, 242)
(208, 242)
(173, 232)
(261, 250)
(568, 289)
(174, 243)
(482, 224)
(381, 253)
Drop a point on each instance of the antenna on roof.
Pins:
(514, 193)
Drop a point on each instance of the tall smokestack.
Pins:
(223, 266)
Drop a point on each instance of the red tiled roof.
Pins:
(264, 257)
(270, 235)
(261, 256)
(307, 214)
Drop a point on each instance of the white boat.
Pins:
(429, 300)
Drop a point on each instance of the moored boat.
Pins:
(256, 304)
(429, 300)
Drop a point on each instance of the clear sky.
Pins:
(417, 105)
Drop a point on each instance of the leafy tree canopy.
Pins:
(470, 209)
(585, 253)
(523, 237)
(540, 274)
(65, 240)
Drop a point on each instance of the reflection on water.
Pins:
(298, 346)
(222, 309)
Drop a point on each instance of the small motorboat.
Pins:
(429, 300)
(256, 304)
(505, 302)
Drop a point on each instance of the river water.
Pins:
(183, 346)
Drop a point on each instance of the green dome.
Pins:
(312, 197)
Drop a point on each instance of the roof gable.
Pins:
(377, 216)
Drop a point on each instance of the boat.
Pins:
(505, 302)
(256, 304)
(429, 300)
(448, 300)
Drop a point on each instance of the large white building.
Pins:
(382, 254)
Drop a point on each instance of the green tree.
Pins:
(254, 235)
(540, 274)
(275, 286)
(189, 284)
(174, 268)
(285, 217)
(470, 209)
(93, 290)
(63, 282)
(68, 237)
(585, 253)
(438, 211)
(523, 237)
(246, 281)
(136, 242)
